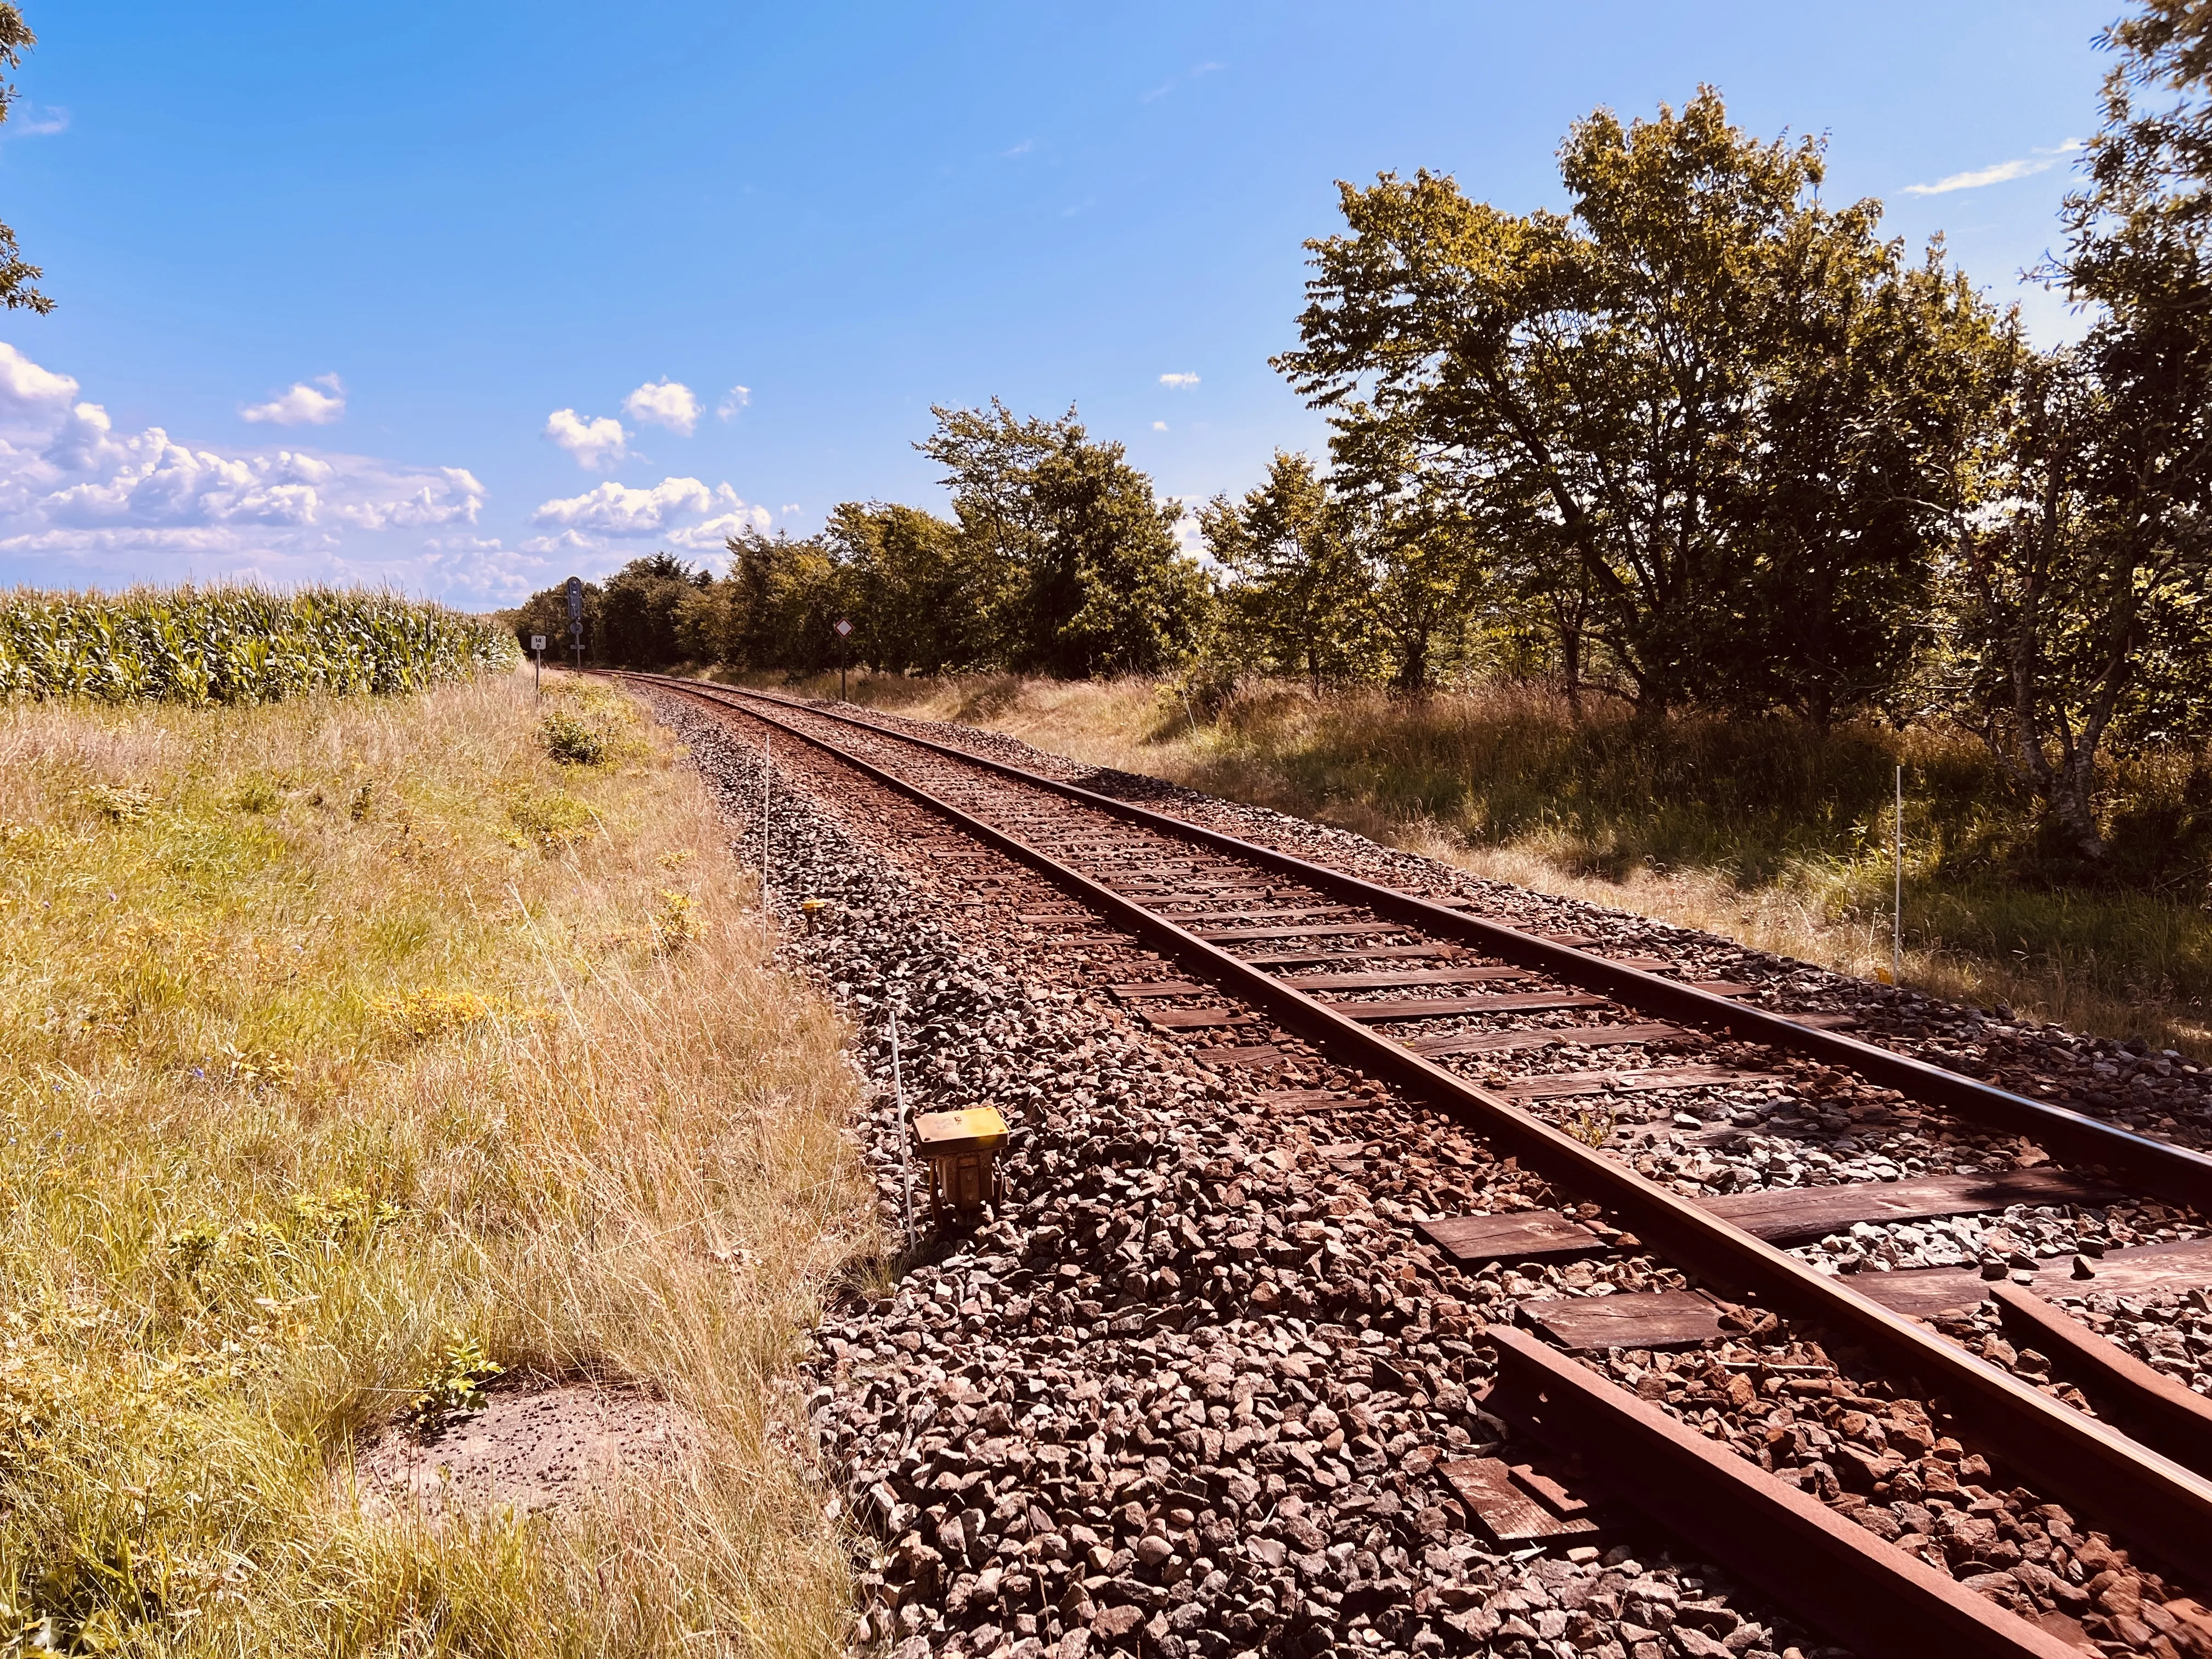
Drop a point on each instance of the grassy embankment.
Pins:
(343, 1040)
(1762, 832)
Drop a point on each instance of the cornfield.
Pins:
(234, 645)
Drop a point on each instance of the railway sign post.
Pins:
(844, 632)
(538, 650)
(576, 617)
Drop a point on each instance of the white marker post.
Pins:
(906, 1149)
(768, 762)
(1897, 899)
(538, 668)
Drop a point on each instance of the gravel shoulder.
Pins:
(1187, 1393)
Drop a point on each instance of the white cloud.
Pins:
(678, 513)
(85, 503)
(596, 442)
(27, 388)
(665, 403)
(454, 500)
(1022, 148)
(710, 536)
(33, 122)
(80, 502)
(1159, 426)
(301, 406)
(790, 507)
(733, 400)
(1178, 382)
(567, 542)
(2003, 173)
(614, 509)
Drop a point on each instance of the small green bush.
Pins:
(571, 741)
(455, 1386)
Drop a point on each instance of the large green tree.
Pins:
(17, 275)
(1877, 399)
(924, 597)
(779, 605)
(639, 611)
(1298, 596)
(2088, 576)
(1090, 578)
(1632, 399)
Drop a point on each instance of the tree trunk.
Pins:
(2070, 799)
(1414, 664)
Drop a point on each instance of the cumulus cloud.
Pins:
(664, 403)
(595, 442)
(27, 388)
(679, 511)
(85, 502)
(733, 400)
(1159, 426)
(118, 505)
(2001, 172)
(710, 535)
(1178, 382)
(302, 406)
(614, 509)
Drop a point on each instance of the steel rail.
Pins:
(1834, 1574)
(2168, 1171)
(2160, 1504)
(2148, 1404)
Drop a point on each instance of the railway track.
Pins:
(1397, 988)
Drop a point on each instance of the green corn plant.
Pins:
(235, 645)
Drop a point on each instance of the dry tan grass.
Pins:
(334, 1035)
(2116, 964)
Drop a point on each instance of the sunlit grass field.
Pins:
(1765, 831)
(343, 1040)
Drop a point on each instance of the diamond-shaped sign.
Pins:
(843, 627)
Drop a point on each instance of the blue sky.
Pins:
(459, 298)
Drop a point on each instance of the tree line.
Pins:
(1699, 441)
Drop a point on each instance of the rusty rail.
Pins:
(2154, 1408)
(1831, 1572)
(2164, 1506)
(2172, 1172)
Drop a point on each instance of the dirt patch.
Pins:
(527, 1449)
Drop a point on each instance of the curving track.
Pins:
(1396, 988)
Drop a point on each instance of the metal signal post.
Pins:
(538, 668)
(844, 633)
(576, 617)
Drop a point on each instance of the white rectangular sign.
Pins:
(537, 642)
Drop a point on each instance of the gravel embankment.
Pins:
(1186, 1394)
(2156, 1093)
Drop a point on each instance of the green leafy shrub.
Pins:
(571, 741)
(549, 821)
(456, 1385)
